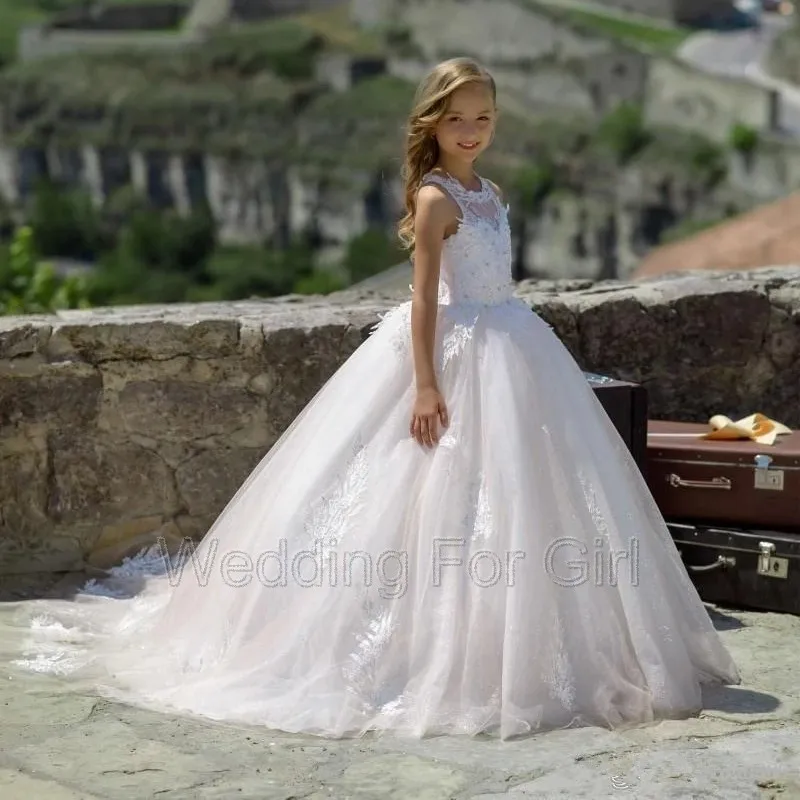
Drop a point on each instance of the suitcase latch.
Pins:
(766, 478)
(770, 565)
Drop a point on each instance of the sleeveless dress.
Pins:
(516, 577)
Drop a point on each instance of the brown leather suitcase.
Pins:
(735, 482)
(625, 403)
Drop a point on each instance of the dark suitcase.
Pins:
(739, 483)
(741, 568)
(626, 405)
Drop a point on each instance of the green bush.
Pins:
(65, 223)
(167, 240)
(28, 285)
(534, 183)
(242, 272)
(706, 157)
(623, 131)
(319, 282)
(743, 138)
(370, 253)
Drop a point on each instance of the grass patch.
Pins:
(14, 16)
(633, 32)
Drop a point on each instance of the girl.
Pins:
(494, 565)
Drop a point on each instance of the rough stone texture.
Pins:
(119, 425)
(745, 745)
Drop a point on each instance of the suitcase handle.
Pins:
(714, 483)
(722, 562)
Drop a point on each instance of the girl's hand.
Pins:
(429, 410)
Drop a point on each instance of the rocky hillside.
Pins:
(297, 123)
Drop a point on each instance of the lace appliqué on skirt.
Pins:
(463, 319)
(332, 513)
(397, 324)
(478, 520)
(362, 668)
(560, 678)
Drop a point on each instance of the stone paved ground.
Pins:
(56, 745)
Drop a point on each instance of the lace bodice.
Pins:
(476, 260)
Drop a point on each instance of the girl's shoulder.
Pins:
(435, 178)
(436, 188)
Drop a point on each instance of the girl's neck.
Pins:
(464, 173)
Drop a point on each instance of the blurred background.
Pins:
(154, 151)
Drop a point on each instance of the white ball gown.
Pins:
(514, 578)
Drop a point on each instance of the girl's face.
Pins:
(467, 127)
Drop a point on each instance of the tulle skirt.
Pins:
(516, 577)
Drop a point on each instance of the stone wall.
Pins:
(117, 425)
(129, 17)
(98, 28)
(40, 41)
(676, 93)
(783, 60)
(253, 10)
(770, 172)
(372, 13)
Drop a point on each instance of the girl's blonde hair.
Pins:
(430, 105)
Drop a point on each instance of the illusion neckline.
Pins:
(452, 179)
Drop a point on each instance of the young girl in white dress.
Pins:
(450, 538)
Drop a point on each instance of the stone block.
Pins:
(175, 410)
(95, 340)
(61, 394)
(209, 480)
(23, 341)
(101, 479)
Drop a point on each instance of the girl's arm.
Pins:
(434, 215)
